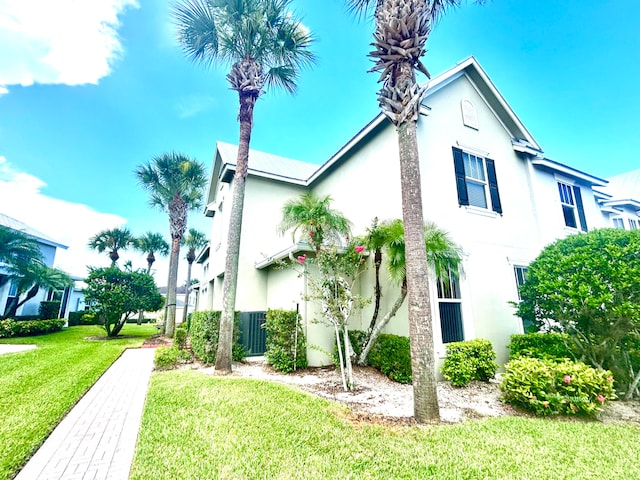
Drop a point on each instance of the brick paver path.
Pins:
(96, 440)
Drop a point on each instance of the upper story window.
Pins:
(633, 224)
(572, 208)
(618, 223)
(476, 181)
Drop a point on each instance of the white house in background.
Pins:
(620, 200)
(72, 298)
(484, 178)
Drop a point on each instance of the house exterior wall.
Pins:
(262, 213)
(365, 183)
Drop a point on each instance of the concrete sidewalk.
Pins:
(96, 440)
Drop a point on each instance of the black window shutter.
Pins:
(458, 165)
(581, 215)
(493, 186)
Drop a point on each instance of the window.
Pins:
(450, 308)
(521, 276)
(633, 224)
(572, 209)
(618, 223)
(476, 181)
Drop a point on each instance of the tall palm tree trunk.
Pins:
(420, 320)
(170, 316)
(186, 295)
(230, 283)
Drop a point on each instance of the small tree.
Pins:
(114, 295)
(587, 286)
(332, 288)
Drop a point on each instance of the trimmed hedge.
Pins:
(546, 346)
(49, 309)
(469, 360)
(204, 330)
(391, 355)
(549, 387)
(11, 328)
(286, 344)
(180, 337)
(83, 317)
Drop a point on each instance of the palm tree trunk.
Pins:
(170, 317)
(230, 283)
(375, 333)
(186, 295)
(425, 398)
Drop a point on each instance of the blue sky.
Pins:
(90, 90)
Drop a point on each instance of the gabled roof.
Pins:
(264, 164)
(14, 224)
(548, 164)
(622, 191)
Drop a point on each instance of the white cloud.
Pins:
(62, 41)
(71, 224)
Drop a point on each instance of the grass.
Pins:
(196, 426)
(38, 387)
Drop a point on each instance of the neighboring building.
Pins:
(485, 180)
(72, 298)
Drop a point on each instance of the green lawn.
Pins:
(38, 387)
(196, 426)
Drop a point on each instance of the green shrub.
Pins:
(74, 318)
(24, 318)
(470, 360)
(49, 310)
(205, 326)
(549, 387)
(392, 356)
(169, 357)
(286, 344)
(12, 328)
(134, 319)
(180, 337)
(546, 346)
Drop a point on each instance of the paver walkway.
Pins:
(96, 440)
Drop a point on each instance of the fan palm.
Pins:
(175, 183)
(265, 46)
(113, 241)
(32, 278)
(152, 243)
(444, 257)
(194, 241)
(314, 219)
(402, 28)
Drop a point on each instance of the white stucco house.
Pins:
(485, 180)
(71, 299)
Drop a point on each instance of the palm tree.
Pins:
(444, 257)
(174, 182)
(266, 46)
(16, 250)
(112, 241)
(401, 32)
(194, 240)
(152, 243)
(35, 276)
(315, 220)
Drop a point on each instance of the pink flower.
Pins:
(302, 258)
(567, 379)
(609, 379)
(545, 404)
(311, 234)
(359, 249)
(600, 398)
